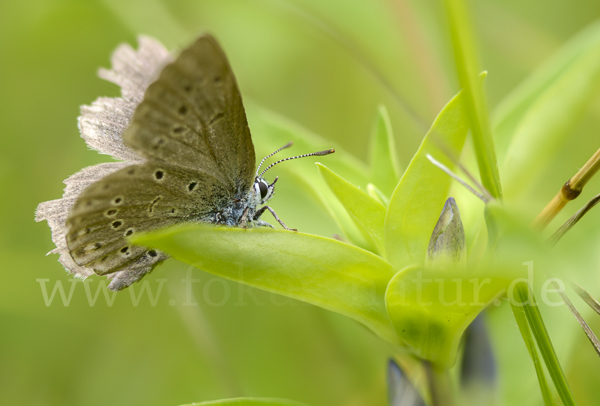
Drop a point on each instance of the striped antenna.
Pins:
(289, 144)
(319, 153)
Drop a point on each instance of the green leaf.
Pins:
(322, 271)
(467, 66)
(419, 197)
(431, 308)
(368, 213)
(384, 161)
(377, 194)
(249, 402)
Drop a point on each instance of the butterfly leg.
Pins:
(262, 223)
(260, 211)
(244, 218)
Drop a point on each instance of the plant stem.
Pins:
(440, 387)
(568, 192)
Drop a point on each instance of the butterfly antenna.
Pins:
(289, 144)
(318, 153)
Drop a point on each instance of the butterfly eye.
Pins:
(264, 188)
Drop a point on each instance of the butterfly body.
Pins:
(242, 210)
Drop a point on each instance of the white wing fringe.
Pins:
(102, 126)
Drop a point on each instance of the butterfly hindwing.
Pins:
(137, 198)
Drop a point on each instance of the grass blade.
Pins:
(467, 66)
(521, 319)
(534, 318)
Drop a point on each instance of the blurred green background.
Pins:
(324, 64)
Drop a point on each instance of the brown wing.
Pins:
(192, 130)
(193, 116)
(138, 198)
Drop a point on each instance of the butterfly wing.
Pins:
(191, 128)
(57, 211)
(138, 198)
(193, 116)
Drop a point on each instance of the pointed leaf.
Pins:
(368, 213)
(377, 194)
(384, 160)
(322, 271)
(422, 191)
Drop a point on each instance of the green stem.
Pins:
(440, 387)
(534, 318)
(467, 65)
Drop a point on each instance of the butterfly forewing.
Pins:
(193, 116)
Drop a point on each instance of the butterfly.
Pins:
(190, 159)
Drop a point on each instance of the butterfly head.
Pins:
(263, 191)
